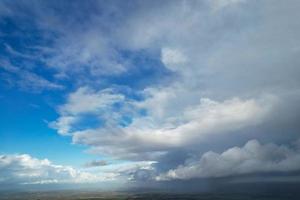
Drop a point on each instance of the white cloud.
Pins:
(84, 100)
(24, 169)
(91, 54)
(172, 58)
(251, 158)
(148, 136)
(206, 118)
(64, 124)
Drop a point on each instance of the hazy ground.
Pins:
(116, 195)
(250, 191)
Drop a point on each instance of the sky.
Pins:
(118, 94)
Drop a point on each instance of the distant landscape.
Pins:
(263, 191)
(73, 195)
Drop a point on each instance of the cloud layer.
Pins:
(249, 159)
(196, 125)
(24, 169)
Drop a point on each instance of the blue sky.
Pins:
(148, 92)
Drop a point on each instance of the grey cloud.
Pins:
(251, 158)
(96, 163)
(143, 175)
(216, 37)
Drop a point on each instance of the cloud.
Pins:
(251, 158)
(63, 49)
(121, 171)
(85, 101)
(229, 64)
(24, 169)
(146, 136)
(220, 4)
(25, 79)
(214, 45)
(232, 73)
(96, 163)
(92, 54)
(172, 57)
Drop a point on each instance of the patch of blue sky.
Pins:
(87, 121)
(145, 67)
(24, 115)
(17, 50)
(24, 129)
(125, 121)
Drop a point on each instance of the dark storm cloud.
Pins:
(251, 158)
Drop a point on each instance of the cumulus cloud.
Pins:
(196, 125)
(251, 158)
(24, 169)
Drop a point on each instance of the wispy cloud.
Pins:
(25, 79)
